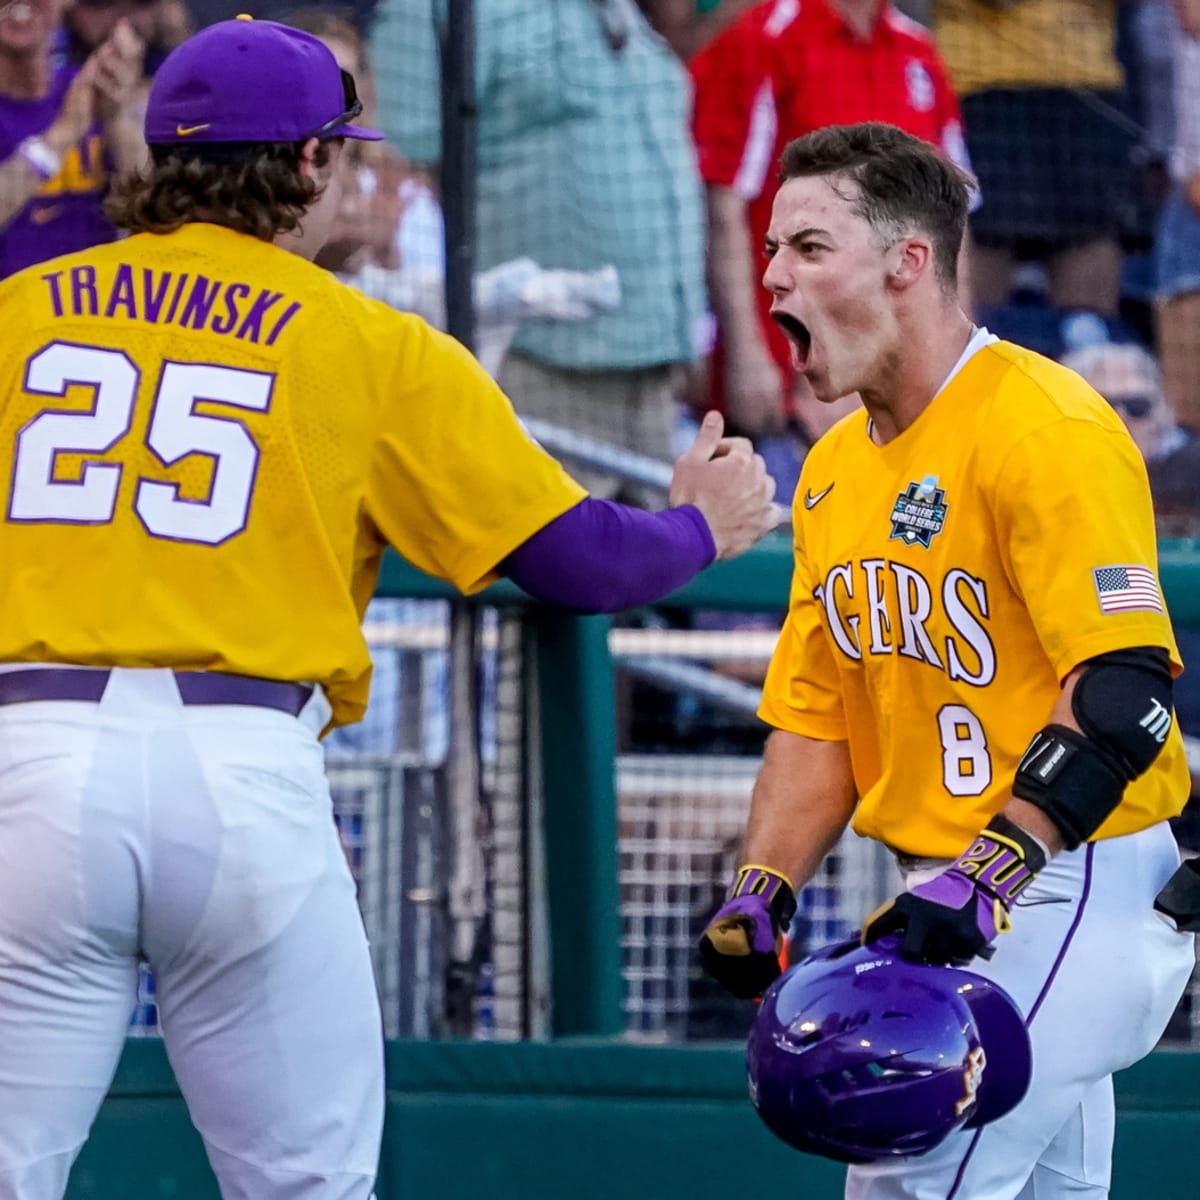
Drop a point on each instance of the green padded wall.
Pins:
(585, 1121)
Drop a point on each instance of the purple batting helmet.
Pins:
(859, 1055)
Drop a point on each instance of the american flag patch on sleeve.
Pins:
(1127, 589)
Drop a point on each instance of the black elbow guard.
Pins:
(1122, 702)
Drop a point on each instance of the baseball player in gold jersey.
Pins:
(975, 668)
(207, 444)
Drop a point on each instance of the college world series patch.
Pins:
(919, 513)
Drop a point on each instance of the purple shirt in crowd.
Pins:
(65, 215)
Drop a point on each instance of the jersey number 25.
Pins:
(174, 432)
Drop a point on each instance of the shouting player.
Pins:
(208, 442)
(975, 670)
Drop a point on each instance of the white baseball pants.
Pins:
(1097, 973)
(202, 839)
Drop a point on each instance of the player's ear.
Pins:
(308, 157)
(912, 259)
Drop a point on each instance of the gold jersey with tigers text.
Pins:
(946, 584)
(208, 441)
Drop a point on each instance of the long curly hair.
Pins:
(252, 187)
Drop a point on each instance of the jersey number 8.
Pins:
(174, 432)
(966, 763)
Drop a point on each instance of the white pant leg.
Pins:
(1078, 1163)
(68, 933)
(1097, 973)
(264, 983)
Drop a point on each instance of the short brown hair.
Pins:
(254, 188)
(903, 183)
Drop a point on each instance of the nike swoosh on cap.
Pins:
(811, 501)
(188, 130)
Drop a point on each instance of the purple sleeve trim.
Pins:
(604, 557)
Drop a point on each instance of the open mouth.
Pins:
(799, 336)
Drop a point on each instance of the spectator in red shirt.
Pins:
(782, 69)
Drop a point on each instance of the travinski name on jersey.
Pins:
(879, 607)
(141, 293)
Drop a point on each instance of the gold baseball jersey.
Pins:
(208, 442)
(946, 584)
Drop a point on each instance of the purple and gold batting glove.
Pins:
(740, 948)
(959, 913)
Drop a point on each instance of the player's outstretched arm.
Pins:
(729, 484)
(600, 556)
(803, 799)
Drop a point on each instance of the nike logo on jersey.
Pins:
(188, 130)
(40, 216)
(811, 501)
(1021, 902)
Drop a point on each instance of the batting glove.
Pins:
(959, 913)
(740, 948)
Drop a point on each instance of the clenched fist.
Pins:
(729, 484)
(958, 914)
(740, 947)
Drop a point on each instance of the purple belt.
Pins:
(195, 687)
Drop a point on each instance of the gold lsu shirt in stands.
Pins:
(1036, 43)
(208, 442)
(947, 582)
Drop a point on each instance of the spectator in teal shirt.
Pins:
(585, 159)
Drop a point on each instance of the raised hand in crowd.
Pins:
(116, 68)
(118, 71)
(77, 114)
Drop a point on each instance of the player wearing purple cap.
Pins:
(208, 443)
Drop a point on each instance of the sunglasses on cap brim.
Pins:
(354, 107)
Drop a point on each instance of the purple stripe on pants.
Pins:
(1058, 961)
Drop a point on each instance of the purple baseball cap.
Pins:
(252, 81)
